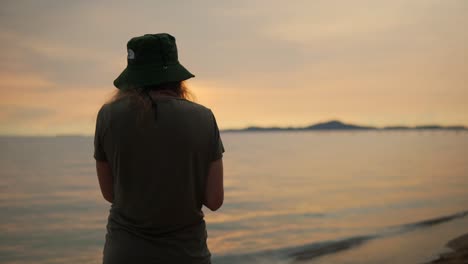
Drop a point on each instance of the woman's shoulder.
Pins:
(116, 105)
(195, 106)
(109, 109)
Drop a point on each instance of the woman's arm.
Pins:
(214, 193)
(104, 174)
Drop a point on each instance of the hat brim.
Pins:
(139, 76)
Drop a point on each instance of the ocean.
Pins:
(290, 197)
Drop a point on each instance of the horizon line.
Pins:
(250, 128)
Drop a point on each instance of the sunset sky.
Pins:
(285, 63)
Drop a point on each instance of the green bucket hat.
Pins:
(152, 59)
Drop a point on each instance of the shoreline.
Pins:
(458, 253)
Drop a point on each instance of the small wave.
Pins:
(296, 254)
(322, 248)
(435, 221)
(330, 247)
(325, 248)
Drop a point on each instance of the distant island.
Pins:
(338, 125)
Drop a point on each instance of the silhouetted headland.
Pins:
(338, 125)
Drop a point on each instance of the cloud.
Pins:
(32, 104)
(291, 64)
(63, 63)
(23, 114)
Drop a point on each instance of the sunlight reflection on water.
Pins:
(282, 190)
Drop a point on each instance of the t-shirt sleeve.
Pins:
(99, 153)
(218, 147)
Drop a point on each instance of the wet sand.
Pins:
(459, 253)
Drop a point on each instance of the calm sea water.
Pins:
(315, 197)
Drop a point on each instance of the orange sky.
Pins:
(256, 62)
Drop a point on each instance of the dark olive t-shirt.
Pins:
(159, 159)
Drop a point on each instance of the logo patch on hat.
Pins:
(131, 54)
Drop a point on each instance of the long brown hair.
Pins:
(140, 97)
(140, 94)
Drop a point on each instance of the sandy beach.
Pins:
(459, 253)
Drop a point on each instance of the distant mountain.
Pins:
(338, 125)
(425, 127)
(441, 127)
(396, 128)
